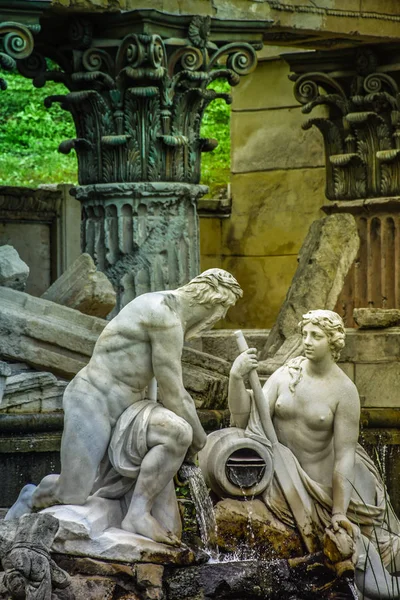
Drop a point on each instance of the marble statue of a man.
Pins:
(144, 341)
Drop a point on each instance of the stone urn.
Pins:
(235, 465)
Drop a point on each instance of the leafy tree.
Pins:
(30, 135)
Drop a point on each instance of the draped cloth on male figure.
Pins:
(376, 520)
(120, 467)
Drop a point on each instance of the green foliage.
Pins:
(30, 135)
(215, 165)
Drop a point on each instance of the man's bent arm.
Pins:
(166, 345)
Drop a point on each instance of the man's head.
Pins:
(216, 290)
(331, 324)
(214, 286)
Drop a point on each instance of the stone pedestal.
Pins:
(144, 236)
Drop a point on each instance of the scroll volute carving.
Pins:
(362, 131)
(16, 43)
(138, 103)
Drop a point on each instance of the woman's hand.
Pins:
(339, 520)
(245, 362)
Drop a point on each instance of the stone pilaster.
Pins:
(360, 90)
(138, 88)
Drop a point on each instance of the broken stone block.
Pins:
(84, 288)
(46, 335)
(92, 530)
(13, 271)
(325, 258)
(376, 318)
(32, 392)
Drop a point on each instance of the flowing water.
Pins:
(352, 587)
(204, 507)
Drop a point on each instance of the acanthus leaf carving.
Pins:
(138, 102)
(363, 106)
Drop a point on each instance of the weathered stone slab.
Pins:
(92, 530)
(376, 318)
(276, 272)
(274, 139)
(266, 219)
(324, 260)
(253, 93)
(379, 383)
(13, 271)
(84, 288)
(222, 342)
(32, 391)
(371, 346)
(46, 335)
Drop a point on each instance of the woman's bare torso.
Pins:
(304, 420)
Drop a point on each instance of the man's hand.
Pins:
(245, 362)
(340, 520)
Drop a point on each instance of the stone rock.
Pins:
(13, 271)
(32, 391)
(84, 288)
(318, 281)
(93, 530)
(5, 372)
(376, 318)
(150, 578)
(231, 580)
(95, 588)
(249, 527)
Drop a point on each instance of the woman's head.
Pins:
(331, 324)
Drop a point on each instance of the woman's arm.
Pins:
(239, 400)
(345, 436)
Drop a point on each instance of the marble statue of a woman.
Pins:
(315, 411)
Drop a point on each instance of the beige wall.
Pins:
(277, 185)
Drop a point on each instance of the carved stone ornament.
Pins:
(29, 570)
(138, 101)
(16, 43)
(361, 131)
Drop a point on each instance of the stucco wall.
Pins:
(277, 185)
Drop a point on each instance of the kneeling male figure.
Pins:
(145, 340)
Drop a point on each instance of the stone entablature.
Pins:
(311, 24)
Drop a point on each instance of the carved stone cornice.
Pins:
(360, 90)
(16, 43)
(138, 88)
(325, 11)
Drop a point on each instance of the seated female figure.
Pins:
(315, 410)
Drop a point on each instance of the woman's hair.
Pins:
(214, 286)
(331, 324)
